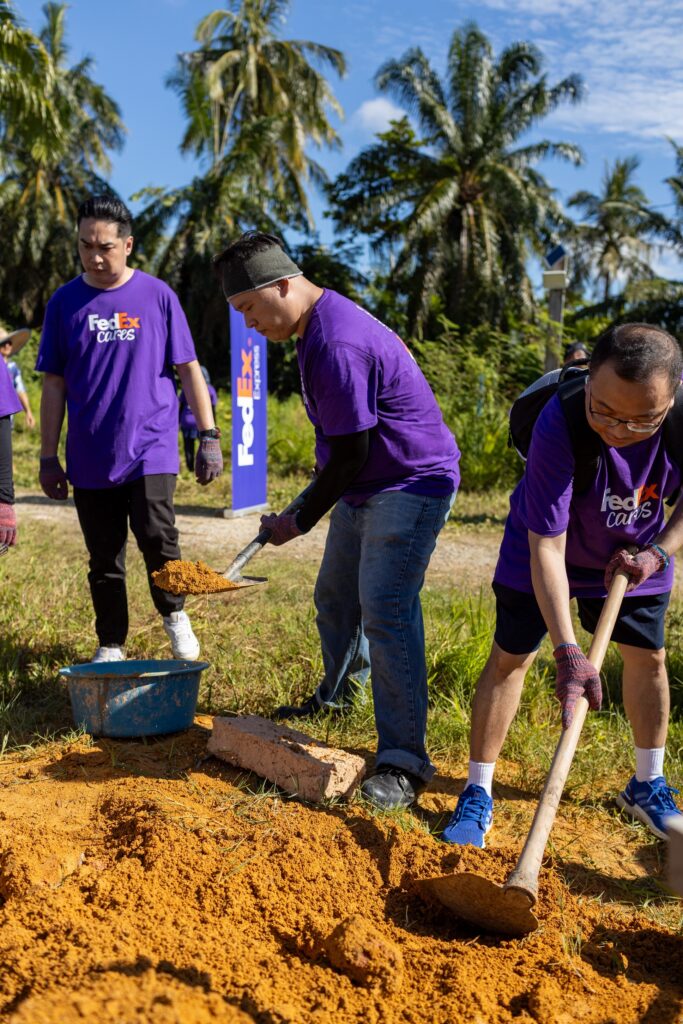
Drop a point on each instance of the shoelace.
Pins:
(663, 796)
(474, 808)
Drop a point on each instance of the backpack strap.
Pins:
(673, 438)
(585, 442)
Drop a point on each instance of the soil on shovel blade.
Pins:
(145, 883)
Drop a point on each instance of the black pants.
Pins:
(104, 515)
(188, 444)
(6, 482)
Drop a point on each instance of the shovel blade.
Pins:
(482, 903)
(240, 582)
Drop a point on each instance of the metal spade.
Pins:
(234, 570)
(507, 908)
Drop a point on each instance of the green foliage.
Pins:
(291, 440)
(476, 378)
(243, 72)
(460, 207)
(49, 168)
(615, 239)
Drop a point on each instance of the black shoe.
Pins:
(309, 708)
(390, 788)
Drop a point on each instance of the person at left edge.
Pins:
(111, 338)
(9, 405)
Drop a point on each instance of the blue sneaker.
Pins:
(650, 802)
(471, 818)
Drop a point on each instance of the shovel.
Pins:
(507, 908)
(234, 570)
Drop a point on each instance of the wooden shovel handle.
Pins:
(525, 874)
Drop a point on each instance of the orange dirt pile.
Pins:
(144, 883)
(178, 577)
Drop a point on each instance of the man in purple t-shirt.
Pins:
(560, 543)
(383, 448)
(111, 338)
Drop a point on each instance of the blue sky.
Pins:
(628, 52)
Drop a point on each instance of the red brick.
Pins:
(292, 760)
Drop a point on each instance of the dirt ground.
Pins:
(145, 883)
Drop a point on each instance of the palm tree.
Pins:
(44, 184)
(615, 238)
(26, 84)
(180, 230)
(459, 208)
(243, 72)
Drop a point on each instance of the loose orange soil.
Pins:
(143, 883)
(178, 577)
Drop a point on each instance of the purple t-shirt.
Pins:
(624, 505)
(9, 400)
(357, 375)
(116, 350)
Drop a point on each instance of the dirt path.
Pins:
(204, 533)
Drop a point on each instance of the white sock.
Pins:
(481, 774)
(649, 763)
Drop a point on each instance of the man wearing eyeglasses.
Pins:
(560, 543)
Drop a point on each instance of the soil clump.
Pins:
(147, 882)
(179, 577)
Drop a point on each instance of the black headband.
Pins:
(257, 271)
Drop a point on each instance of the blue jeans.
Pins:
(367, 597)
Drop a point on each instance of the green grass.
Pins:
(263, 650)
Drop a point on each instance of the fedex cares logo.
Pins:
(121, 327)
(245, 403)
(637, 505)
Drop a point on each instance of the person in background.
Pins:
(575, 353)
(111, 339)
(9, 404)
(10, 344)
(188, 424)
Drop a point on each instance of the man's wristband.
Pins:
(662, 553)
(212, 432)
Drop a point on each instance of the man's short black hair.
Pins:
(109, 208)
(245, 246)
(639, 352)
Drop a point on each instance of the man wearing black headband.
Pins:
(383, 449)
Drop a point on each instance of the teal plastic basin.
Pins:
(134, 698)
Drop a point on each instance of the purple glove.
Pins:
(209, 462)
(8, 524)
(53, 479)
(576, 677)
(282, 527)
(639, 567)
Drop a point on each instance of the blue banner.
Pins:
(248, 380)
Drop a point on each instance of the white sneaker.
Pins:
(109, 654)
(184, 643)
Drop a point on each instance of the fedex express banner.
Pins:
(249, 415)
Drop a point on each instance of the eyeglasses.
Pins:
(635, 426)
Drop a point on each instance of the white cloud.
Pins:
(374, 115)
(627, 52)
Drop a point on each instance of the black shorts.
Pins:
(520, 627)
